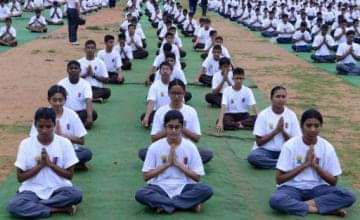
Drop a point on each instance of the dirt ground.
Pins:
(24, 82)
(268, 65)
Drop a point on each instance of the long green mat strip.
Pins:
(240, 192)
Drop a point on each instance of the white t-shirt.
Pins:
(288, 27)
(343, 48)
(37, 22)
(323, 50)
(224, 52)
(4, 12)
(176, 74)
(191, 119)
(60, 151)
(218, 77)
(266, 123)
(161, 58)
(337, 32)
(238, 101)
(158, 93)
(12, 32)
(72, 3)
(211, 65)
(98, 67)
(112, 60)
(293, 154)
(125, 52)
(273, 23)
(76, 93)
(70, 124)
(203, 35)
(298, 34)
(137, 40)
(58, 16)
(172, 180)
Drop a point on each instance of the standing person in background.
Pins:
(192, 6)
(73, 10)
(204, 6)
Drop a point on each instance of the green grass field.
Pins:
(240, 192)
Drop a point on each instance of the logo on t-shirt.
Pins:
(299, 159)
(286, 125)
(68, 126)
(79, 94)
(161, 94)
(271, 126)
(317, 160)
(185, 160)
(95, 68)
(55, 160)
(243, 100)
(163, 158)
(232, 101)
(113, 60)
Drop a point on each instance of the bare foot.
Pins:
(159, 210)
(72, 210)
(340, 213)
(81, 167)
(197, 208)
(240, 125)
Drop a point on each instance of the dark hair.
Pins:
(213, 32)
(56, 89)
(275, 89)
(169, 34)
(73, 62)
(165, 64)
(167, 47)
(108, 37)
(311, 113)
(174, 115)
(219, 38)
(8, 19)
(170, 55)
(44, 113)
(238, 71)
(224, 61)
(131, 25)
(172, 28)
(350, 32)
(88, 42)
(176, 82)
(217, 47)
(303, 24)
(121, 36)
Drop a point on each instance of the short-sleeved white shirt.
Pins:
(172, 180)
(58, 17)
(76, 93)
(98, 67)
(282, 27)
(323, 50)
(238, 101)
(112, 60)
(191, 119)
(343, 48)
(12, 32)
(211, 65)
(342, 38)
(70, 124)
(41, 20)
(60, 151)
(72, 3)
(137, 40)
(266, 123)
(218, 77)
(176, 74)
(224, 52)
(298, 34)
(161, 58)
(293, 154)
(158, 93)
(125, 52)
(4, 11)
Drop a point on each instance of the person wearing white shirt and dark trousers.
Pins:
(95, 72)
(112, 60)
(348, 55)
(307, 173)
(8, 34)
(285, 30)
(220, 80)
(172, 169)
(323, 45)
(273, 127)
(235, 104)
(45, 166)
(73, 11)
(302, 39)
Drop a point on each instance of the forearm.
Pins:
(155, 172)
(190, 135)
(330, 179)
(283, 177)
(149, 108)
(89, 108)
(25, 175)
(260, 141)
(221, 113)
(189, 173)
(217, 90)
(65, 173)
(76, 140)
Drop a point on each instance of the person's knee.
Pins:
(95, 115)
(142, 154)
(254, 158)
(188, 96)
(205, 189)
(209, 98)
(348, 196)
(76, 195)
(206, 155)
(107, 93)
(276, 200)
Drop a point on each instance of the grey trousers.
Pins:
(27, 205)
(192, 195)
(205, 154)
(328, 199)
(263, 159)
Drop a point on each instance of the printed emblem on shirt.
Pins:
(68, 126)
(79, 94)
(161, 94)
(232, 101)
(113, 60)
(317, 161)
(163, 158)
(286, 125)
(243, 100)
(185, 160)
(299, 159)
(55, 160)
(95, 68)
